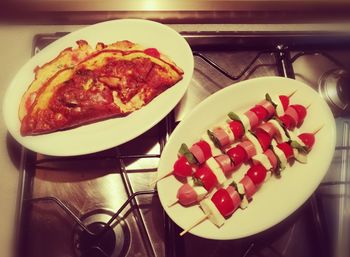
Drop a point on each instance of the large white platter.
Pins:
(277, 198)
(106, 134)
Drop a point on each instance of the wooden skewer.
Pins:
(173, 203)
(203, 218)
(292, 93)
(160, 178)
(307, 107)
(317, 130)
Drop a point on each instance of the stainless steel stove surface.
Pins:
(101, 204)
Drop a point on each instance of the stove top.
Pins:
(101, 205)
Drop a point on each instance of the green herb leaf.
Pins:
(197, 181)
(215, 141)
(279, 167)
(268, 98)
(299, 147)
(233, 116)
(188, 155)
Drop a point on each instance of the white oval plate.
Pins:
(105, 134)
(276, 199)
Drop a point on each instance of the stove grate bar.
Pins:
(226, 73)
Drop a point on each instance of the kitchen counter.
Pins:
(16, 43)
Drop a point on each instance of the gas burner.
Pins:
(101, 240)
(334, 86)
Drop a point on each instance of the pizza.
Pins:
(85, 85)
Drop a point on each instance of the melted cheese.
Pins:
(135, 103)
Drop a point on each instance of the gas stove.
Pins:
(102, 205)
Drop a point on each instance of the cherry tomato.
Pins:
(182, 168)
(288, 122)
(257, 174)
(207, 177)
(223, 202)
(237, 154)
(263, 138)
(301, 110)
(237, 129)
(260, 111)
(286, 149)
(152, 52)
(205, 148)
(284, 101)
(308, 139)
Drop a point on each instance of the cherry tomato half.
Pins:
(257, 174)
(223, 202)
(205, 148)
(284, 101)
(308, 139)
(237, 129)
(182, 168)
(286, 149)
(207, 177)
(288, 122)
(301, 110)
(263, 138)
(237, 155)
(260, 111)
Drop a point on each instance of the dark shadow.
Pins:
(14, 150)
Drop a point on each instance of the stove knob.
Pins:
(334, 87)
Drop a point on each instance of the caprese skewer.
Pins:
(225, 201)
(225, 134)
(255, 147)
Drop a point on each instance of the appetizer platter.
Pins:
(228, 175)
(98, 87)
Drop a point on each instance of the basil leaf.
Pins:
(268, 98)
(299, 147)
(188, 155)
(279, 167)
(215, 141)
(197, 181)
(233, 116)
